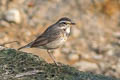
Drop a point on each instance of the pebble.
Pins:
(86, 66)
(73, 56)
(13, 15)
(1, 47)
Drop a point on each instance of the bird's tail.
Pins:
(26, 46)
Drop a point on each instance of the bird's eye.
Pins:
(63, 23)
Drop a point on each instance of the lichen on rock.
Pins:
(17, 65)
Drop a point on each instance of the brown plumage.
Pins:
(53, 37)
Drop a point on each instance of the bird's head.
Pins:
(65, 22)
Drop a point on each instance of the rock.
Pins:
(87, 66)
(73, 56)
(1, 48)
(13, 15)
(17, 65)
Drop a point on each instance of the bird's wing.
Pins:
(39, 41)
(46, 37)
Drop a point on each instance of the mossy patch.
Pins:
(17, 65)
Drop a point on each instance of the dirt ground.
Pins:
(94, 44)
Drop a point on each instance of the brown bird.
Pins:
(53, 37)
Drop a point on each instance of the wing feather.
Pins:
(46, 38)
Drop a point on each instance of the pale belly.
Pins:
(56, 44)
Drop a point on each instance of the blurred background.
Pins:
(94, 44)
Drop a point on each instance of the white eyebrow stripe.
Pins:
(64, 21)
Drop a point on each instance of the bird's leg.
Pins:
(52, 57)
